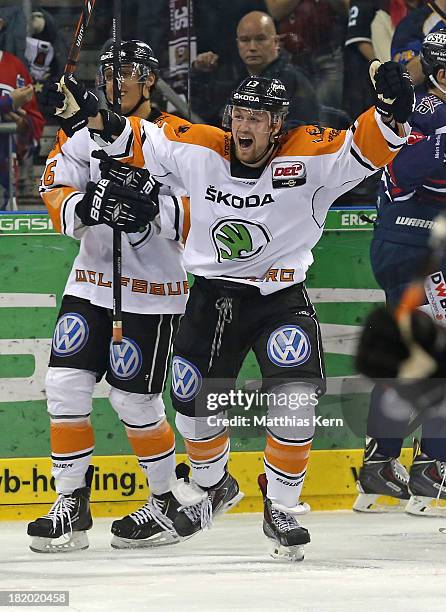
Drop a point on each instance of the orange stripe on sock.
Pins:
(152, 442)
(69, 437)
(289, 458)
(209, 449)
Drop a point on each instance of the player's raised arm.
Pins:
(371, 142)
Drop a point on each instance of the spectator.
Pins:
(369, 35)
(30, 122)
(45, 52)
(258, 49)
(13, 31)
(312, 31)
(410, 33)
(11, 111)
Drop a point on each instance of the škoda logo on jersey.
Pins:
(239, 240)
(288, 174)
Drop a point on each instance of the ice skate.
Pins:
(427, 485)
(151, 525)
(200, 506)
(64, 528)
(280, 525)
(382, 483)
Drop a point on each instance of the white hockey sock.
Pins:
(208, 459)
(159, 473)
(72, 445)
(155, 448)
(285, 468)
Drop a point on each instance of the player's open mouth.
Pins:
(245, 143)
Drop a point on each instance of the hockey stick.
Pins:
(78, 37)
(76, 45)
(117, 243)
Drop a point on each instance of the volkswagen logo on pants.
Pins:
(186, 379)
(289, 346)
(125, 359)
(70, 335)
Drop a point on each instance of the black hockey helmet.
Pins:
(259, 93)
(433, 54)
(134, 53)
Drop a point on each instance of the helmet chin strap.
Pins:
(142, 99)
(437, 85)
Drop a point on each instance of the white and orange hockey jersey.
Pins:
(153, 277)
(258, 230)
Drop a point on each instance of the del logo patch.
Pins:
(288, 174)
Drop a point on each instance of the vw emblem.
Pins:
(289, 346)
(125, 359)
(186, 379)
(70, 335)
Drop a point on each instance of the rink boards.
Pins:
(35, 262)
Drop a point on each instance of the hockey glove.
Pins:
(394, 90)
(121, 208)
(384, 352)
(72, 102)
(125, 175)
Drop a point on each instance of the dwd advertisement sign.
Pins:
(34, 265)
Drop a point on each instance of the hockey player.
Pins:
(415, 194)
(258, 204)
(154, 292)
(408, 38)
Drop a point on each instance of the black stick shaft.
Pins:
(117, 250)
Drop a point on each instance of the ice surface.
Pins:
(379, 563)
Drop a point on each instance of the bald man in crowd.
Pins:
(260, 55)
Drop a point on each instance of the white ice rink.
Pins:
(355, 563)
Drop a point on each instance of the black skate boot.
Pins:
(199, 506)
(64, 528)
(282, 528)
(427, 485)
(151, 525)
(382, 483)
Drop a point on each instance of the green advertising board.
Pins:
(34, 264)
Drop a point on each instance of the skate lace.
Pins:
(399, 471)
(60, 511)
(284, 521)
(153, 510)
(224, 307)
(200, 512)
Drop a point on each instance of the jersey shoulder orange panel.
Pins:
(311, 140)
(176, 122)
(61, 139)
(206, 136)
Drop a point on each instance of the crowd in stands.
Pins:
(320, 49)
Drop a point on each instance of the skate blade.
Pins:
(292, 554)
(374, 503)
(164, 539)
(78, 540)
(426, 506)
